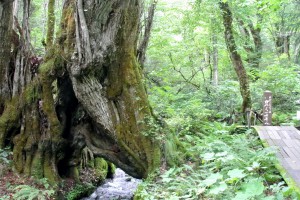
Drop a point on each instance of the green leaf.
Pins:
(256, 165)
(200, 191)
(222, 154)
(254, 187)
(212, 179)
(218, 189)
(268, 198)
(208, 156)
(236, 173)
(169, 172)
(166, 179)
(241, 196)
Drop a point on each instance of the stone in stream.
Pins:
(121, 187)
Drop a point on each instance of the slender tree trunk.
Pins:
(297, 51)
(141, 53)
(254, 51)
(215, 59)
(235, 56)
(282, 40)
(258, 44)
(50, 23)
(283, 45)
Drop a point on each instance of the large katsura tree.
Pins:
(87, 93)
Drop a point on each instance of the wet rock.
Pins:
(121, 187)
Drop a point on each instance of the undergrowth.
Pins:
(221, 165)
(41, 191)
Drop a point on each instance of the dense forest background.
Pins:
(188, 42)
(188, 72)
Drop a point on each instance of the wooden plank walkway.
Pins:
(287, 139)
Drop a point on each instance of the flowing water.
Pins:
(121, 187)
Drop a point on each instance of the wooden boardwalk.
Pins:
(287, 139)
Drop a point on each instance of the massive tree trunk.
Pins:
(87, 93)
(107, 82)
(235, 56)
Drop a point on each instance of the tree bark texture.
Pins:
(29, 121)
(6, 16)
(144, 40)
(87, 93)
(235, 56)
(50, 23)
(107, 83)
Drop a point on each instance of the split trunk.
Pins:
(87, 93)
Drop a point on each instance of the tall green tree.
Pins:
(235, 56)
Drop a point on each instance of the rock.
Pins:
(94, 195)
(128, 179)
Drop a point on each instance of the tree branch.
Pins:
(141, 54)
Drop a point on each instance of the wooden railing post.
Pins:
(267, 108)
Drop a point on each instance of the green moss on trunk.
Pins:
(50, 23)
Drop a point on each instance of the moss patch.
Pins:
(79, 191)
(101, 168)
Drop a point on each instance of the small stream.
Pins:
(121, 187)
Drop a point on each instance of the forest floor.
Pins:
(9, 180)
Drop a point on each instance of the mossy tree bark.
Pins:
(88, 92)
(29, 122)
(6, 22)
(145, 31)
(107, 82)
(50, 23)
(235, 56)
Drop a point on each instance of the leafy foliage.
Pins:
(220, 165)
(283, 82)
(28, 192)
(4, 155)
